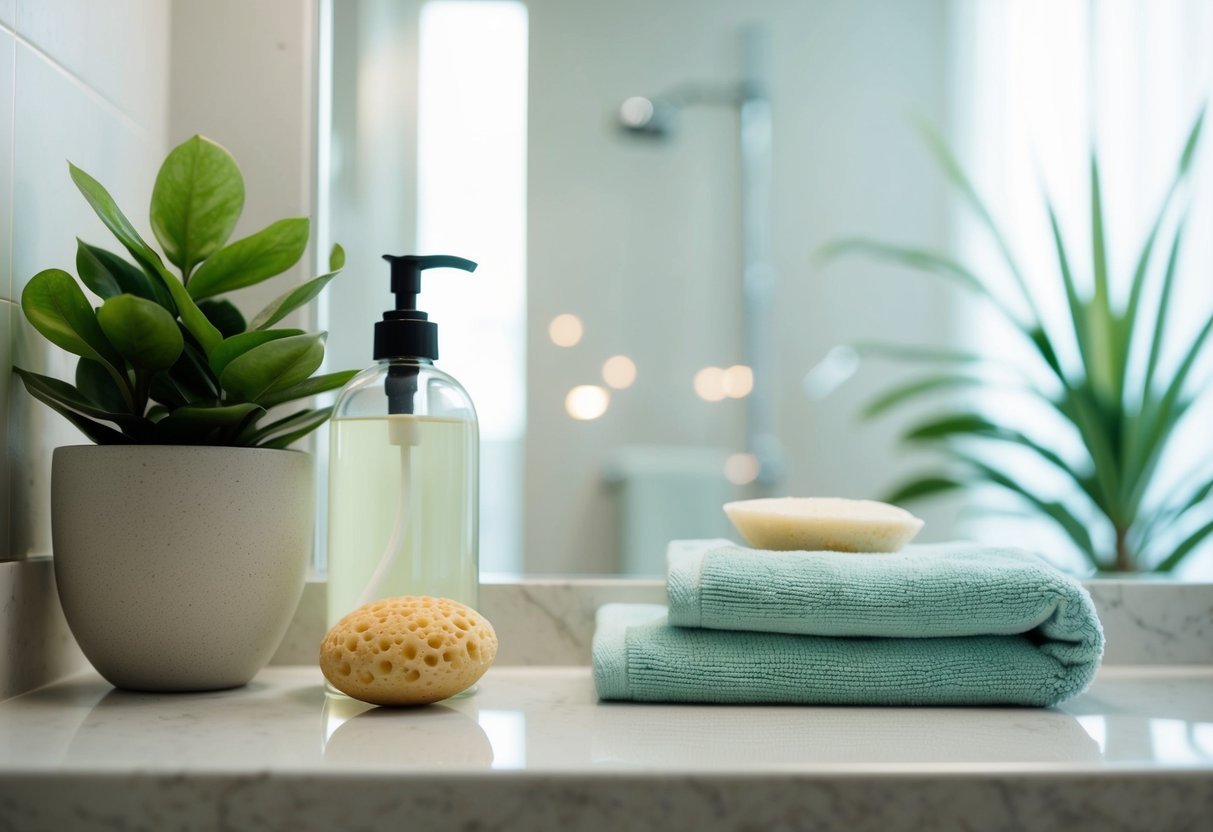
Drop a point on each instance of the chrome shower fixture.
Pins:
(646, 117)
(654, 117)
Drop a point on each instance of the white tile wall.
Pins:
(59, 117)
(50, 125)
(116, 47)
(7, 313)
(7, 59)
(85, 80)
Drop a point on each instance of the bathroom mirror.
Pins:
(647, 188)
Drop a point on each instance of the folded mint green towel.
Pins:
(931, 625)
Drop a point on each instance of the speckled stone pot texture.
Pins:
(179, 567)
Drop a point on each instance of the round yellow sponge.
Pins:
(408, 651)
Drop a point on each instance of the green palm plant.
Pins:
(1122, 419)
(166, 359)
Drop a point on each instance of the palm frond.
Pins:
(1123, 423)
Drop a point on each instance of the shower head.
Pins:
(651, 117)
(655, 117)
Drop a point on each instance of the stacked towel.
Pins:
(954, 624)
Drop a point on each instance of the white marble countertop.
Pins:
(534, 750)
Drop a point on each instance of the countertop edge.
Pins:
(1173, 800)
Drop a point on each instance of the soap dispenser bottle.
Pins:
(403, 465)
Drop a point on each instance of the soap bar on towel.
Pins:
(958, 624)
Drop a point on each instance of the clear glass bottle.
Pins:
(403, 467)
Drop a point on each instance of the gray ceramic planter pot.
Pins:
(179, 568)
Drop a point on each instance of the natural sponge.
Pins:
(408, 651)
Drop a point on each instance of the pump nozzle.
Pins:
(407, 332)
(407, 269)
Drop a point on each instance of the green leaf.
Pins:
(1128, 322)
(94, 275)
(1075, 305)
(287, 303)
(307, 422)
(1165, 516)
(975, 426)
(1159, 414)
(206, 421)
(197, 416)
(311, 387)
(952, 425)
(279, 427)
(956, 176)
(1197, 498)
(67, 401)
(913, 258)
(68, 396)
(1044, 346)
(107, 275)
(1164, 306)
(945, 267)
(197, 198)
(56, 306)
(95, 431)
(192, 376)
(165, 390)
(224, 315)
(916, 354)
(922, 487)
(273, 366)
(113, 218)
(238, 345)
(919, 387)
(1159, 421)
(336, 258)
(140, 329)
(111, 215)
(1088, 399)
(1189, 152)
(1074, 528)
(270, 251)
(96, 384)
(1101, 322)
(1185, 547)
(1127, 325)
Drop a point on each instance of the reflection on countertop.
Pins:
(548, 720)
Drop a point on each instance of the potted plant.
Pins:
(1121, 404)
(181, 538)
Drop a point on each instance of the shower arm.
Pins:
(749, 97)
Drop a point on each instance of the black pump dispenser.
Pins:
(406, 331)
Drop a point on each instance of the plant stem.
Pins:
(1124, 555)
(124, 384)
(143, 386)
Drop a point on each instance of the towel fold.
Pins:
(931, 625)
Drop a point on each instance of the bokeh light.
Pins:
(586, 402)
(619, 372)
(741, 468)
(709, 384)
(565, 330)
(737, 381)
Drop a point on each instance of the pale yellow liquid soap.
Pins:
(400, 489)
